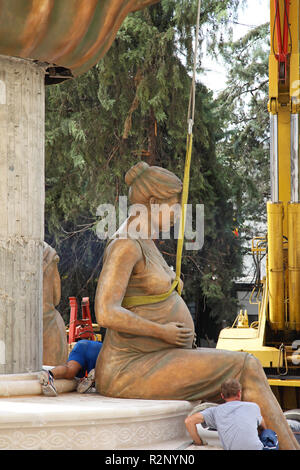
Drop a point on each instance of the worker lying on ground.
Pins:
(81, 364)
(239, 423)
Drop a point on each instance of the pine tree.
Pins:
(243, 144)
(131, 106)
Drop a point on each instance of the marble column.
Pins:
(22, 195)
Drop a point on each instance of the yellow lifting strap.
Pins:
(134, 301)
(184, 199)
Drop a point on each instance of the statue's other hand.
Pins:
(175, 333)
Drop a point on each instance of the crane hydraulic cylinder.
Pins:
(294, 265)
(276, 266)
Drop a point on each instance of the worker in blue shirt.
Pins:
(80, 364)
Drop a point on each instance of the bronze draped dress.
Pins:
(132, 366)
(55, 344)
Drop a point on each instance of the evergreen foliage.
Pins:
(243, 146)
(243, 143)
(133, 106)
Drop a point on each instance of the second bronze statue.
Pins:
(55, 344)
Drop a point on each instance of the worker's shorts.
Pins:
(269, 439)
(85, 352)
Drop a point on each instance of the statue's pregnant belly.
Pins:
(173, 309)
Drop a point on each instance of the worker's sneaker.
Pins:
(87, 383)
(47, 383)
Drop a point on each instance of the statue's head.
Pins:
(49, 256)
(153, 185)
(148, 183)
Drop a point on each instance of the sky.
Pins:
(256, 12)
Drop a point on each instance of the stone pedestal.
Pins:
(72, 421)
(22, 189)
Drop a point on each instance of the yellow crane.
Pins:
(275, 338)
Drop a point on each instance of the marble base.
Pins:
(73, 421)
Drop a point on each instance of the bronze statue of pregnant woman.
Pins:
(148, 350)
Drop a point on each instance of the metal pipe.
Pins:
(294, 157)
(274, 157)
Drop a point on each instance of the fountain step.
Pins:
(73, 421)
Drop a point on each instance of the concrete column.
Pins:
(22, 195)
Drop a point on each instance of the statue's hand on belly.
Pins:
(176, 334)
